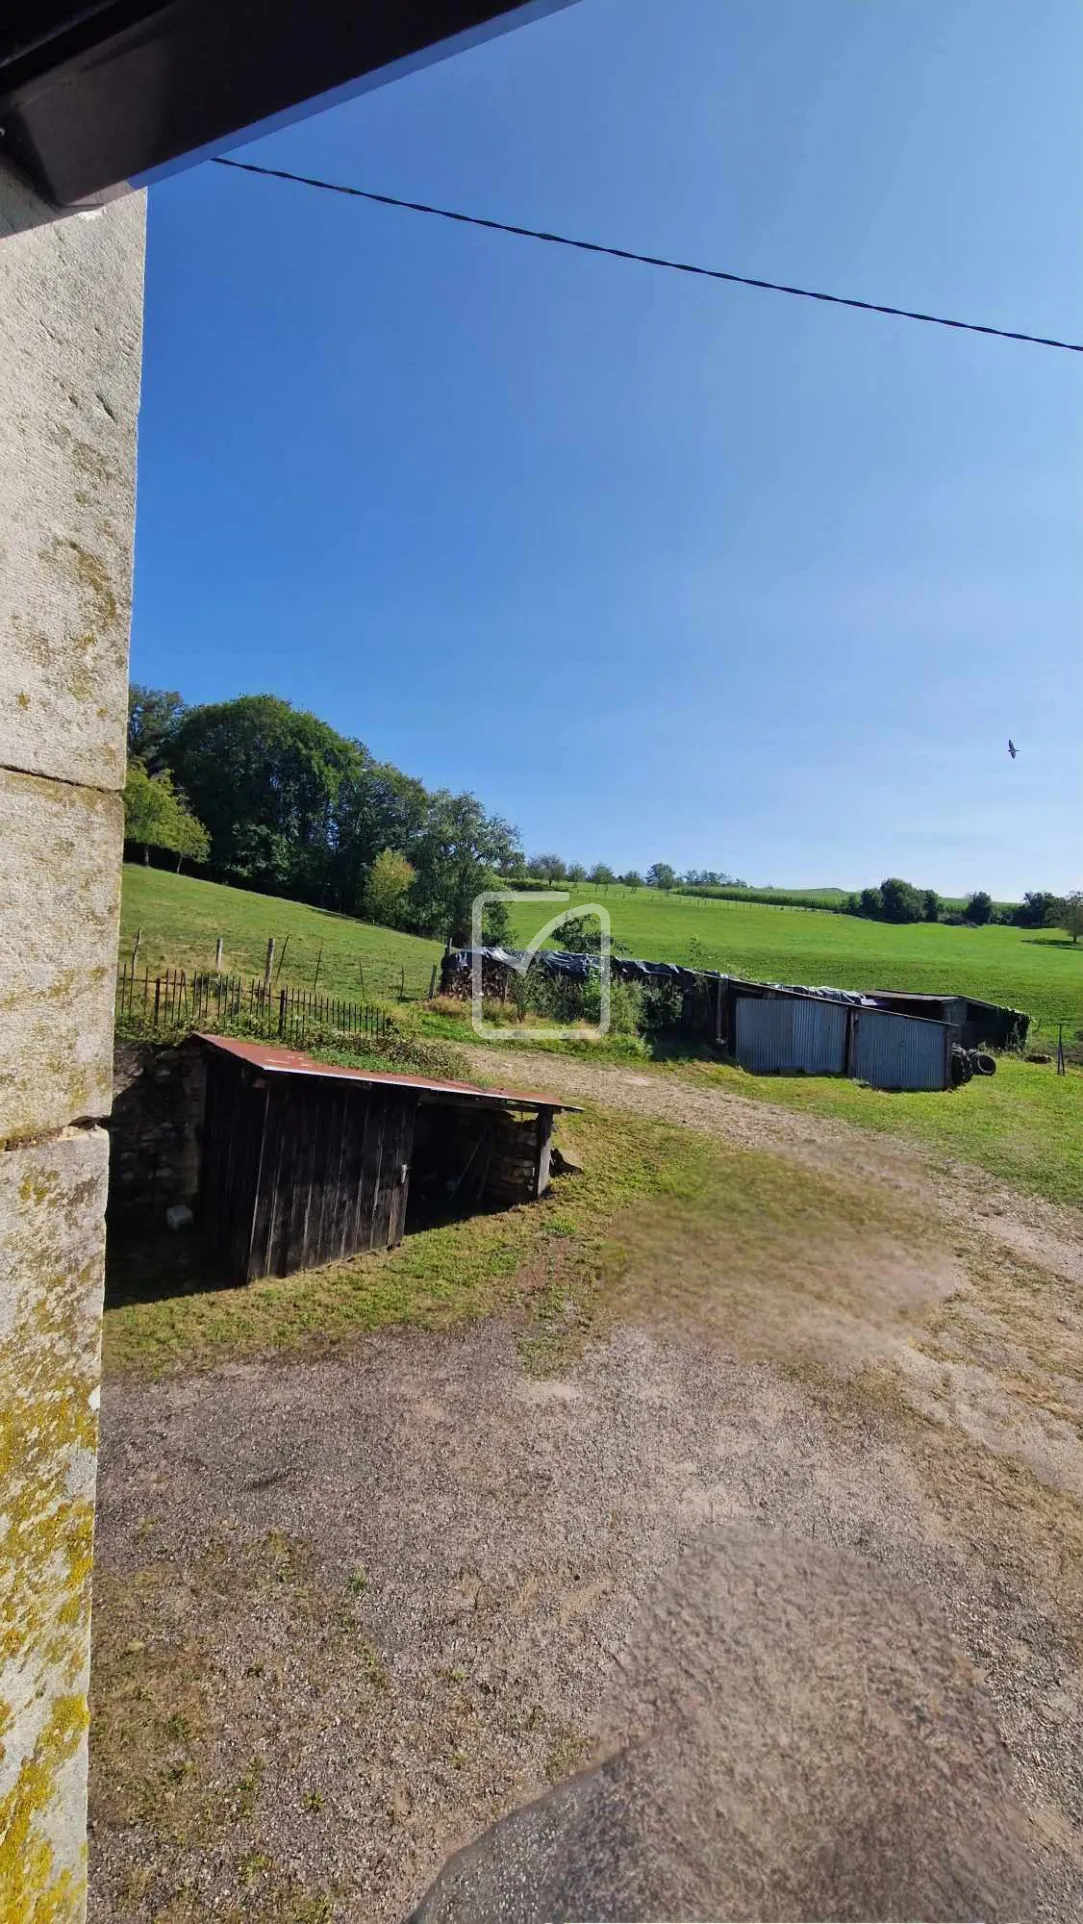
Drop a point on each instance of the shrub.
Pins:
(979, 908)
(900, 901)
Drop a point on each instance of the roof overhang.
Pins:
(268, 1059)
(100, 95)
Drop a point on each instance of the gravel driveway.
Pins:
(349, 1611)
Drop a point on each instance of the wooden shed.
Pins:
(305, 1163)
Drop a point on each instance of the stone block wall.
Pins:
(71, 295)
(155, 1130)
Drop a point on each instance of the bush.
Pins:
(979, 908)
(900, 901)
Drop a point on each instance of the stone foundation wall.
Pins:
(71, 295)
(155, 1130)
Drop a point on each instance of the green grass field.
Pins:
(181, 920)
(1039, 971)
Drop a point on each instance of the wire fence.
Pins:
(205, 1000)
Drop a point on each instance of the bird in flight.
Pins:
(1012, 749)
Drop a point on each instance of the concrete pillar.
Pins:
(71, 299)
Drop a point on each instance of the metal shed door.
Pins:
(899, 1051)
(791, 1035)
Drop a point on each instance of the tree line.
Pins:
(898, 901)
(288, 806)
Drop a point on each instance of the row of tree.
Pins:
(289, 806)
(899, 901)
(660, 875)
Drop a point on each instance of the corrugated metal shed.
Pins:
(791, 1035)
(899, 1051)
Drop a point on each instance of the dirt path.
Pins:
(1040, 1232)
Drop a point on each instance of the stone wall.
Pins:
(155, 1130)
(70, 335)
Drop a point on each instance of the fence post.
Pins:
(268, 965)
(402, 982)
(281, 1011)
(432, 983)
(218, 956)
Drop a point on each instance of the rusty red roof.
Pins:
(274, 1061)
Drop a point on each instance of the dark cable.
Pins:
(646, 260)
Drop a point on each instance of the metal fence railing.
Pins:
(203, 999)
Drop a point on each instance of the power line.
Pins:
(646, 260)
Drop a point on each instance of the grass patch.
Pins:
(1024, 1125)
(181, 919)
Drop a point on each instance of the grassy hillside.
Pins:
(1040, 971)
(181, 919)
(1035, 970)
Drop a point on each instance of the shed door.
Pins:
(334, 1175)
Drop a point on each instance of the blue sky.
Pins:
(663, 570)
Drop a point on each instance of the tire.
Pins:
(986, 1065)
(961, 1067)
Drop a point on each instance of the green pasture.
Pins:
(181, 919)
(1037, 970)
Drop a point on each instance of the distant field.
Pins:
(182, 918)
(1035, 970)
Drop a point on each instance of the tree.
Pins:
(900, 901)
(633, 879)
(871, 904)
(576, 873)
(580, 935)
(1068, 915)
(661, 876)
(156, 816)
(1034, 910)
(266, 778)
(601, 875)
(459, 856)
(387, 888)
(377, 808)
(154, 714)
(979, 908)
(546, 868)
(930, 906)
